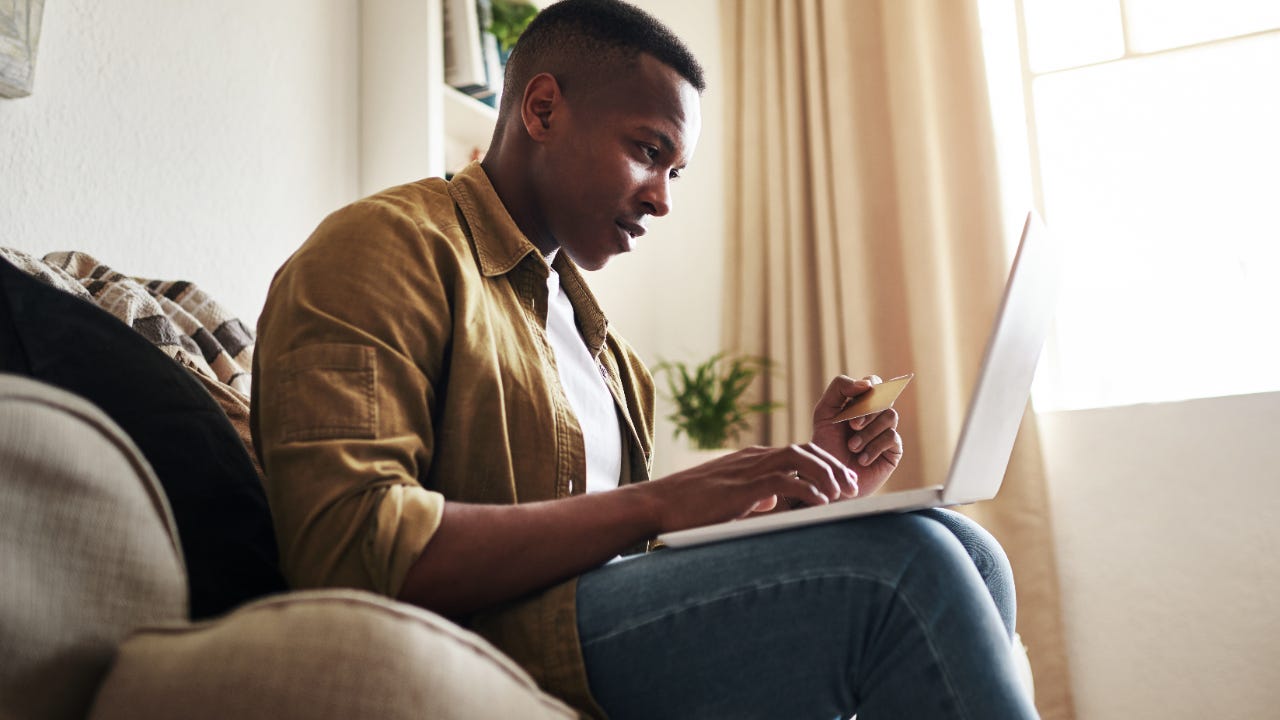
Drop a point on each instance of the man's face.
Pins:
(611, 159)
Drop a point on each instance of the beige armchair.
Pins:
(93, 606)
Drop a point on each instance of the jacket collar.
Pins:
(501, 247)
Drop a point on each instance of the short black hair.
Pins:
(593, 35)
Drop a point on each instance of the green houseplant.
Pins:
(710, 408)
(510, 18)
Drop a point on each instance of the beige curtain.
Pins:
(866, 236)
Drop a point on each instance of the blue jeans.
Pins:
(892, 616)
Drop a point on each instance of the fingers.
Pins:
(812, 468)
(794, 485)
(748, 481)
(879, 438)
(759, 476)
(875, 426)
(838, 394)
(815, 465)
(846, 478)
(862, 385)
(888, 445)
(835, 397)
(766, 505)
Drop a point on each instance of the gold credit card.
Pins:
(878, 399)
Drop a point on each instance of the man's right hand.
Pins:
(749, 480)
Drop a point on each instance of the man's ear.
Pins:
(542, 102)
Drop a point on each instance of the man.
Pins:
(445, 416)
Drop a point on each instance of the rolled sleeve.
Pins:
(342, 469)
(343, 402)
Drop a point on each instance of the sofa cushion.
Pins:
(319, 655)
(88, 549)
(212, 487)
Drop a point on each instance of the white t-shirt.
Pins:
(583, 382)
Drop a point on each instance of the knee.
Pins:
(933, 543)
(882, 546)
(987, 556)
(897, 547)
(980, 545)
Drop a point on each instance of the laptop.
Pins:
(990, 426)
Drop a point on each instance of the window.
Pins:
(1148, 134)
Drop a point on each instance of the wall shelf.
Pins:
(468, 126)
(412, 125)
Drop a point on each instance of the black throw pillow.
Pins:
(224, 524)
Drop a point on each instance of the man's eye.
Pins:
(674, 175)
(650, 151)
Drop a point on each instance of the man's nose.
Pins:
(657, 197)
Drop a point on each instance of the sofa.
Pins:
(137, 557)
(94, 607)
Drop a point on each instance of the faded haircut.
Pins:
(585, 43)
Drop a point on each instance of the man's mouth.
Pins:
(633, 229)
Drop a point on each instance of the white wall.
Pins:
(183, 139)
(1166, 522)
(665, 298)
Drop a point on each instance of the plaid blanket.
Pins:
(175, 316)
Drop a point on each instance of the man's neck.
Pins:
(509, 180)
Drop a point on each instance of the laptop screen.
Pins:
(1004, 379)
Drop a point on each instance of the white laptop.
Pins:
(995, 410)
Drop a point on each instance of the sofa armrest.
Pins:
(88, 550)
(321, 654)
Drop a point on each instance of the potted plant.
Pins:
(710, 409)
(510, 18)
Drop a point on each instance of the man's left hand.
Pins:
(869, 445)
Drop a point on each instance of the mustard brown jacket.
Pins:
(402, 360)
